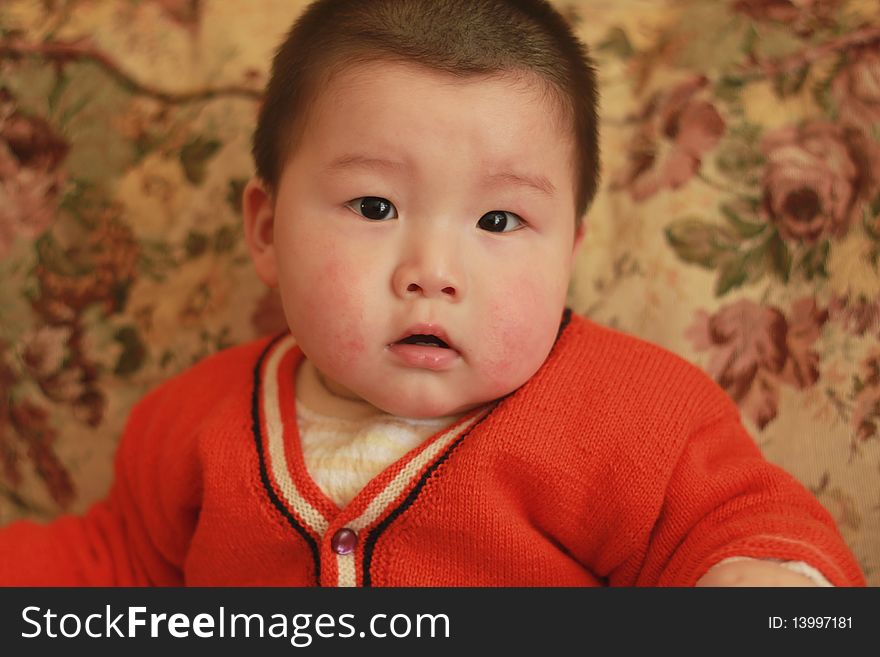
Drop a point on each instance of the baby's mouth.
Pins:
(426, 346)
(424, 340)
(426, 334)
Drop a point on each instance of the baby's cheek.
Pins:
(344, 343)
(334, 314)
(522, 326)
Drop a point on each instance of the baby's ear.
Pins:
(258, 209)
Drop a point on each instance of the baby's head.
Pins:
(423, 167)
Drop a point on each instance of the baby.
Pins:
(435, 417)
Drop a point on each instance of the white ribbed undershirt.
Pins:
(343, 455)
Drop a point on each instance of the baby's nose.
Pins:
(426, 288)
(414, 280)
(429, 273)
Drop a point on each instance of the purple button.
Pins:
(344, 541)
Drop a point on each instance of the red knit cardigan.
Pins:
(617, 464)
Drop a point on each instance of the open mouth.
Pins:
(426, 346)
(424, 340)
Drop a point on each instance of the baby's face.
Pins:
(421, 203)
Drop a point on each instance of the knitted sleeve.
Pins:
(138, 535)
(724, 499)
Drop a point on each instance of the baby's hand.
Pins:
(752, 572)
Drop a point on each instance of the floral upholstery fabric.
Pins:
(738, 222)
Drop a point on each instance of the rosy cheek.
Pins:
(517, 341)
(350, 345)
(333, 309)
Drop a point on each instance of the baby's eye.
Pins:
(499, 221)
(373, 208)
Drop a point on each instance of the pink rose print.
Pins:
(676, 130)
(817, 179)
(755, 348)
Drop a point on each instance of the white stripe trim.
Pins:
(397, 485)
(277, 451)
(347, 573)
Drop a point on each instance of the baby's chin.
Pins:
(426, 407)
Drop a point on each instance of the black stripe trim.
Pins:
(264, 472)
(373, 537)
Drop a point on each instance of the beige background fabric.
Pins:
(738, 222)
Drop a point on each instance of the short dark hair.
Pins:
(461, 37)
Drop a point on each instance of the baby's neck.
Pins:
(313, 393)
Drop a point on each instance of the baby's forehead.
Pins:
(377, 72)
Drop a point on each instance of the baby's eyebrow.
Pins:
(363, 162)
(535, 182)
(539, 183)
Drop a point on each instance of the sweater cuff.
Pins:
(799, 567)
